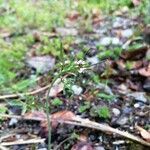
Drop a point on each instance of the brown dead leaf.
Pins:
(145, 71)
(83, 137)
(121, 64)
(57, 87)
(55, 119)
(61, 116)
(133, 85)
(145, 134)
(82, 146)
(136, 64)
(135, 53)
(36, 114)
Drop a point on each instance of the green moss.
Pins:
(57, 102)
(103, 112)
(84, 107)
(105, 96)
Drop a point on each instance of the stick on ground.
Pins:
(89, 124)
(31, 141)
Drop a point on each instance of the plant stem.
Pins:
(48, 111)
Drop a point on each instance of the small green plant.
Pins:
(115, 53)
(84, 107)
(3, 110)
(100, 47)
(129, 65)
(23, 85)
(65, 68)
(95, 78)
(106, 96)
(80, 55)
(106, 54)
(68, 86)
(57, 102)
(135, 46)
(103, 112)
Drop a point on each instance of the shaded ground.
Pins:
(113, 90)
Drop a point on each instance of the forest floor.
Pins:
(97, 64)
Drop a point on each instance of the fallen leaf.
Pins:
(121, 64)
(36, 114)
(55, 120)
(61, 116)
(145, 134)
(82, 146)
(135, 53)
(56, 88)
(83, 137)
(145, 71)
(132, 85)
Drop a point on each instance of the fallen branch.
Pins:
(86, 123)
(24, 94)
(2, 147)
(106, 128)
(31, 141)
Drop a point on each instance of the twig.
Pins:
(6, 136)
(3, 148)
(87, 123)
(24, 94)
(105, 128)
(31, 141)
(22, 117)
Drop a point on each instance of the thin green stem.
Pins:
(48, 111)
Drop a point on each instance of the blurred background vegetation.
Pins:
(18, 18)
